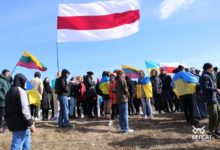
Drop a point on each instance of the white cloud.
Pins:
(169, 7)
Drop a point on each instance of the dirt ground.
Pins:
(166, 131)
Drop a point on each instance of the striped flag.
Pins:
(131, 71)
(97, 21)
(28, 60)
(150, 65)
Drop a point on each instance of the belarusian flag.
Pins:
(97, 21)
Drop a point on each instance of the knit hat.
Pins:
(207, 66)
(90, 73)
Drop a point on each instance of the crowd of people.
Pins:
(114, 95)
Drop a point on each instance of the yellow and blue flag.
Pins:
(150, 65)
(184, 83)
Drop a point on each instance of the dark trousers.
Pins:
(188, 107)
(167, 99)
(45, 113)
(114, 111)
(214, 116)
(158, 102)
(91, 106)
(137, 103)
(2, 117)
(131, 107)
(34, 111)
(81, 108)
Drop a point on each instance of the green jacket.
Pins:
(4, 88)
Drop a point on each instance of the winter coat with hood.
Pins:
(4, 88)
(47, 96)
(90, 86)
(61, 85)
(17, 111)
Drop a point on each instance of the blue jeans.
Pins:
(21, 140)
(72, 106)
(202, 107)
(64, 111)
(147, 109)
(123, 116)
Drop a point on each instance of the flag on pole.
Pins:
(28, 60)
(150, 65)
(131, 71)
(97, 21)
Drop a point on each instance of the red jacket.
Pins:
(82, 93)
(112, 92)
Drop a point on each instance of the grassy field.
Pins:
(167, 131)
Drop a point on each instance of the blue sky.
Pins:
(188, 31)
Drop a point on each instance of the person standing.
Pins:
(112, 94)
(37, 84)
(90, 94)
(166, 90)
(81, 99)
(4, 88)
(74, 87)
(131, 89)
(209, 91)
(56, 109)
(145, 93)
(157, 91)
(122, 96)
(62, 90)
(47, 99)
(18, 116)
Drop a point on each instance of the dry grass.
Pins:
(167, 131)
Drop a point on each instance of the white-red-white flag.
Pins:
(97, 21)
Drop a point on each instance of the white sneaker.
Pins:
(145, 117)
(120, 130)
(36, 119)
(110, 123)
(129, 131)
(151, 117)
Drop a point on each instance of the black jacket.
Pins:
(166, 82)
(17, 111)
(208, 88)
(131, 87)
(90, 86)
(74, 89)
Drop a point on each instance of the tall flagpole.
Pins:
(57, 47)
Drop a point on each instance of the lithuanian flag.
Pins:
(30, 61)
(131, 71)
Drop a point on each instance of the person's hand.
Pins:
(218, 90)
(32, 128)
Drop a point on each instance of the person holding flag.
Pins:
(145, 93)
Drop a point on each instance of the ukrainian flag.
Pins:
(150, 65)
(104, 85)
(34, 97)
(184, 83)
(146, 86)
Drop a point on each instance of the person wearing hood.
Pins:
(47, 99)
(4, 88)
(18, 115)
(62, 90)
(210, 91)
(90, 94)
(37, 84)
